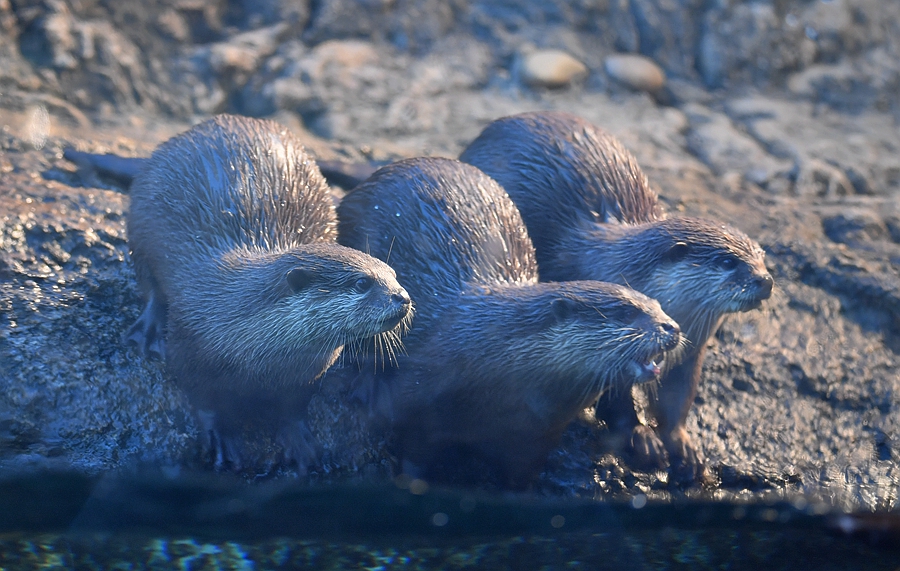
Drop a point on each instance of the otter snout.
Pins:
(670, 333)
(401, 308)
(764, 285)
(759, 288)
(401, 298)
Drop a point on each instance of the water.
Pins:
(62, 521)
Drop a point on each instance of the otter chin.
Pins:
(593, 216)
(248, 298)
(497, 364)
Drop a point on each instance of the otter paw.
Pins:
(686, 465)
(647, 449)
(223, 451)
(148, 332)
(219, 448)
(299, 446)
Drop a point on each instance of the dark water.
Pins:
(62, 521)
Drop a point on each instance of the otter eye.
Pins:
(678, 252)
(630, 313)
(727, 263)
(299, 278)
(364, 284)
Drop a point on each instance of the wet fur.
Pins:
(497, 364)
(593, 215)
(231, 228)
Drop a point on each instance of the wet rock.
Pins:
(337, 60)
(550, 68)
(725, 148)
(258, 13)
(635, 71)
(410, 25)
(749, 41)
(854, 225)
(835, 154)
(80, 397)
(801, 396)
(242, 54)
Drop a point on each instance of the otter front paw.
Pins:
(221, 448)
(647, 449)
(299, 446)
(686, 465)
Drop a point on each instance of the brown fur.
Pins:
(593, 215)
(231, 229)
(497, 364)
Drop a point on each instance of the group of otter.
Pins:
(544, 275)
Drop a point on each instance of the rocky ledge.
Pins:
(777, 117)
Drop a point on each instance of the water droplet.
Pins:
(440, 519)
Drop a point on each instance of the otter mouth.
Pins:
(751, 305)
(645, 371)
(393, 321)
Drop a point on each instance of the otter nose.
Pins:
(401, 297)
(672, 333)
(765, 284)
(670, 328)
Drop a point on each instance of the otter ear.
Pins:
(299, 278)
(677, 252)
(562, 308)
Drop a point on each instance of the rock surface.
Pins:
(783, 123)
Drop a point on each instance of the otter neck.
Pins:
(588, 251)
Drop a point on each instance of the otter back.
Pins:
(497, 364)
(439, 242)
(584, 173)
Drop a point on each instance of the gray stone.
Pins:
(550, 68)
(635, 71)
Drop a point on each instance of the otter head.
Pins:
(699, 270)
(615, 329)
(370, 299)
(574, 339)
(289, 314)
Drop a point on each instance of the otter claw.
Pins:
(299, 446)
(148, 332)
(647, 449)
(686, 465)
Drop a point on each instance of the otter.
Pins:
(497, 364)
(248, 297)
(592, 215)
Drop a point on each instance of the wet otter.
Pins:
(592, 215)
(497, 364)
(248, 299)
